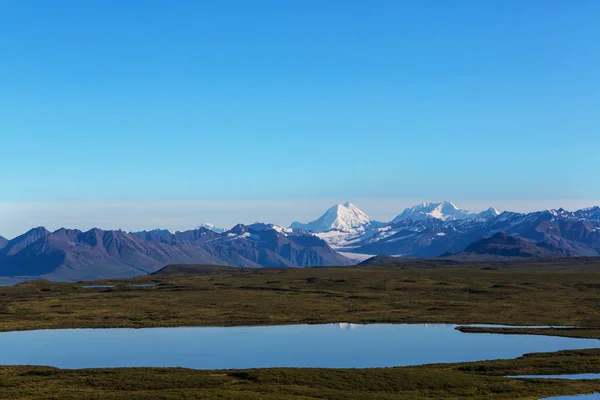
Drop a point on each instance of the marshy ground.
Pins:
(559, 292)
(535, 293)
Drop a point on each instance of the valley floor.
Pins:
(558, 292)
(564, 292)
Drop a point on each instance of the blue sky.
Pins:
(293, 104)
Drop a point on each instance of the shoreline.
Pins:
(470, 380)
(553, 331)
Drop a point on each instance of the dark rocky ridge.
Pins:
(71, 255)
(559, 231)
(504, 245)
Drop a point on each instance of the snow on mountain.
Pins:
(568, 233)
(489, 213)
(347, 238)
(590, 214)
(444, 211)
(259, 226)
(211, 227)
(346, 217)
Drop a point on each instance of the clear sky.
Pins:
(177, 112)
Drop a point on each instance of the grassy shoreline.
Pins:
(475, 380)
(564, 294)
(582, 333)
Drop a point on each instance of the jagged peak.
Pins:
(338, 217)
(490, 212)
(34, 232)
(157, 230)
(212, 227)
(239, 229)
(38, 229)
(443, 210)
(64, 230)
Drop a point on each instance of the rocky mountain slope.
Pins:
(70, 255)
(425, 230)
(3, 242)
(444, 211)
(433, 237)
(433, 229)
(501, 244)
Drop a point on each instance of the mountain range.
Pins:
(72, 255)
(435, 229)
(503, 245)
(342, 234)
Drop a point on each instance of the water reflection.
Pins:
(113, 286)
(342, 345)
(97, 286)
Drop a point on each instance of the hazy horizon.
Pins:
(169, 114)
(185, 215)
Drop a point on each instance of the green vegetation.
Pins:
(562, 292)
(480, 380)
(586, 333)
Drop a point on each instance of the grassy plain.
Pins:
(563, 292)
(559, 292)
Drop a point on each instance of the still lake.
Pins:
(330, 346)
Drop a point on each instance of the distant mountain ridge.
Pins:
(589, 214)
(425, 230)
(70, 255)
(444, 211)
(212, 227)
(501, 244)
(434, 229)
(434, 237)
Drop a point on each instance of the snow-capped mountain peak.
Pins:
(443, 210)
(211, 227)
(489, 213)
(260, 226)
(342, 217)
(590, 213)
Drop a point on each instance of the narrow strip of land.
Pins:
(584, 333)
(479, 380)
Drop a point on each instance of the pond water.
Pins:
(112, 286)
(97, 286)
(330, 346)
(595, 396)
(523, 326)
(576, 377)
